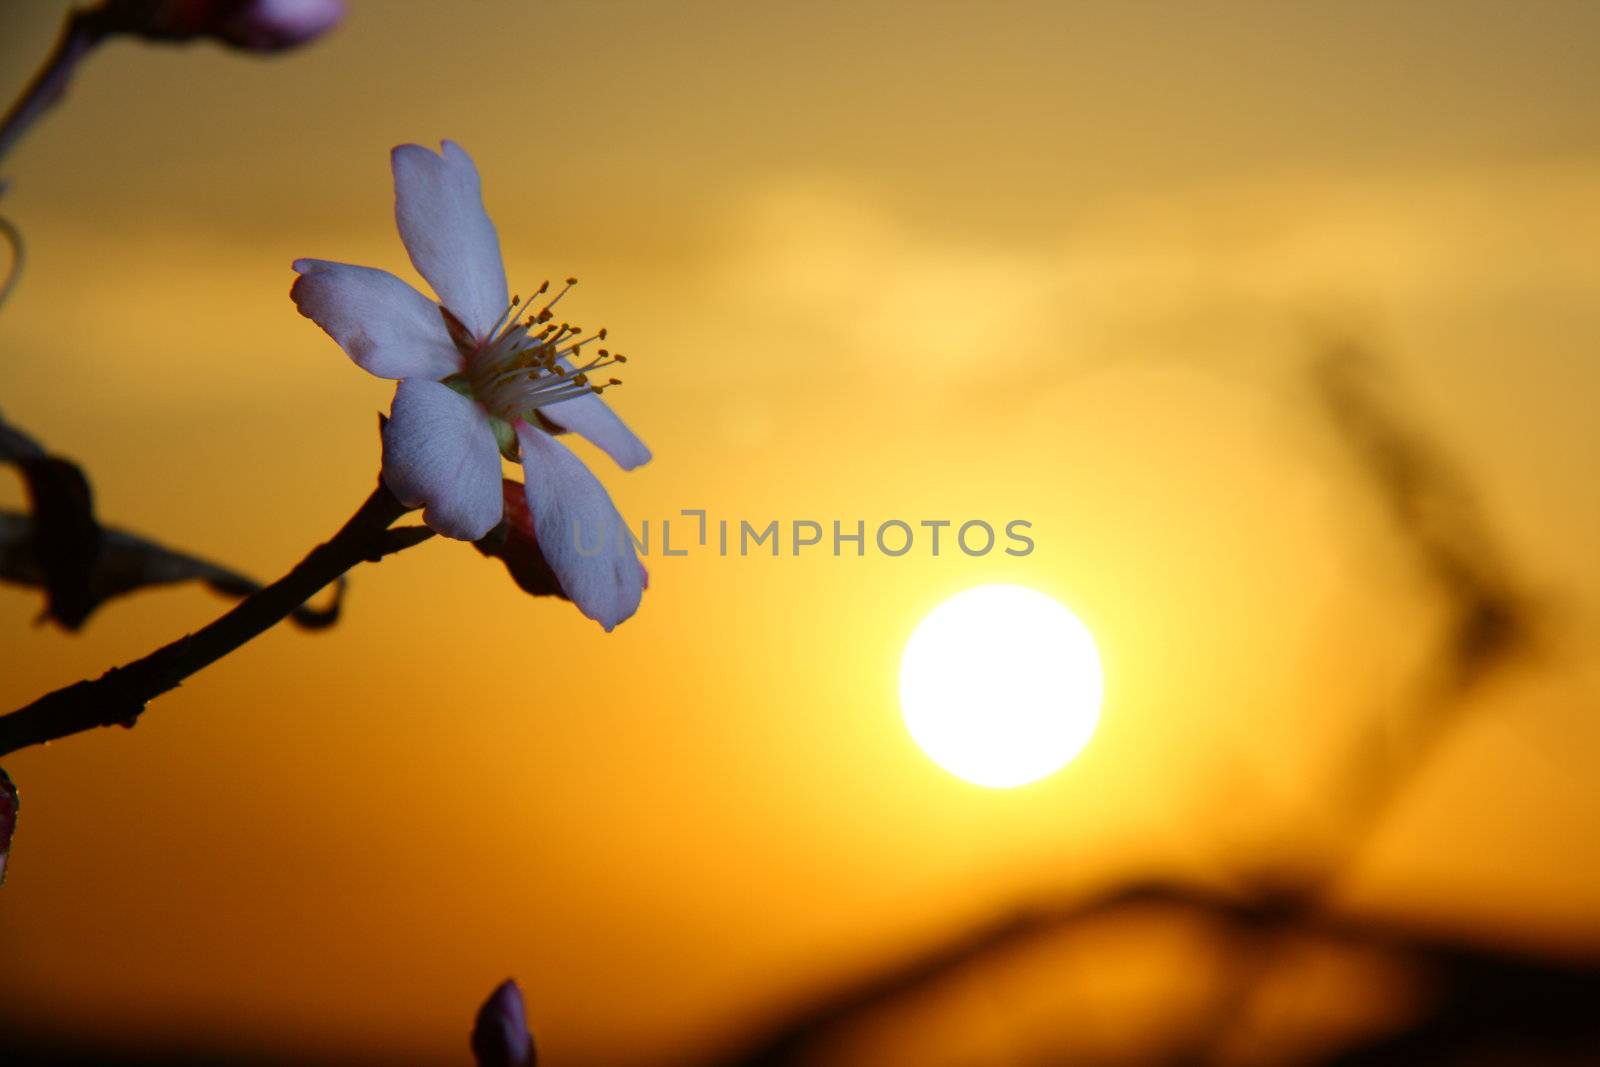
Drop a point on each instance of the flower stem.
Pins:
(82, 30)
(117, 697)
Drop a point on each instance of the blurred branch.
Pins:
(120, 695)
(82, 30)
(241, 24)
(1480, 993)
(126, 562)
(62, 548)
(1436, 514)
(792, 1041)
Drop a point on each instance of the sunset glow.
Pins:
(1001, 685)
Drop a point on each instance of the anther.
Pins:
(554, 299)
(534, 359)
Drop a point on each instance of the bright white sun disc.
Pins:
(1001, 685)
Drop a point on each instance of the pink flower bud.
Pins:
(500, 1036)
(8, 819)
(253, 25)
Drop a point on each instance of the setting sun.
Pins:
(1001, 685)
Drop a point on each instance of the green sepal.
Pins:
(506, 437)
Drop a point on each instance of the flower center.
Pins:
(529, 360)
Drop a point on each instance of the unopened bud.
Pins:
(253, 25)
(500, 1035)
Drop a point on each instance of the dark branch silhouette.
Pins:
(62, 548)
(1487, 619)
(117, 697)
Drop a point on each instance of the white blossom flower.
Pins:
(481, 374)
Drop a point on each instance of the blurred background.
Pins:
(1278, 321)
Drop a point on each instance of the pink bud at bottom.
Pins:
(500, 1035)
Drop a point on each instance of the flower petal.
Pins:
(386, 326)
(439, 453)
(582, 536)
(592, 419)
(438, 204)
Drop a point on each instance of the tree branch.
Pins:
(117, 697)
(82, 30)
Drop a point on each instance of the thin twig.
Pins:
(82, 30)
(117, 697)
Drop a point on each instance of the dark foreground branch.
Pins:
(1479, 996)
(117, 697)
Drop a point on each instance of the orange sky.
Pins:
(895, 259)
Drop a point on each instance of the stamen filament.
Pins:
(527, 363)
(556, 299)
(505, 316)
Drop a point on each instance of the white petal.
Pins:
(579, 531)
(439, 453)
(386, 326)
(438, 204)
(592, 419)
